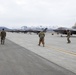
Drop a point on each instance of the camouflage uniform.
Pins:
(68, 36)
(3, 35)
(41, 38)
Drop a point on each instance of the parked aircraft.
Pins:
(25, 29)
(62, 30)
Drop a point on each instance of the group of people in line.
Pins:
(41, 37)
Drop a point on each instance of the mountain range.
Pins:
(5, 28)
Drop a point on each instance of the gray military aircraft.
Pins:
(63, 30)
(25, 29)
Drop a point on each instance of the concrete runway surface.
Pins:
(27, 58)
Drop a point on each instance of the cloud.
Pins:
(37, 12)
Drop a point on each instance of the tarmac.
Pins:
(21, 55)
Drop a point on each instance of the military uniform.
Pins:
(3, 35)
(68, 36)
(41, 38)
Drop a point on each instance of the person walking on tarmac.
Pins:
(3, 35)
(68, 36)
(41, 38)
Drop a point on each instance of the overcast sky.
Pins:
(17, 13)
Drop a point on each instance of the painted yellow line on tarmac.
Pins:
(61, 50)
